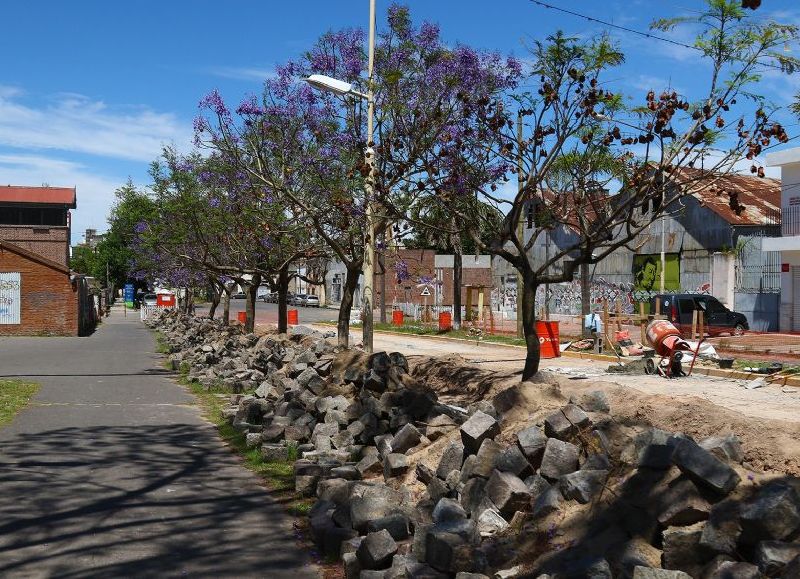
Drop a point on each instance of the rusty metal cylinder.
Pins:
(657, 333)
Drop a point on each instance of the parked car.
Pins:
(239, 296)
(296, 299)
(149, 300)
(311, 301)
(717, 319)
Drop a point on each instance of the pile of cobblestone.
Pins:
(569, 495)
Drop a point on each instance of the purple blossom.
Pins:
(213, 101)
(140, 227)
(401, 271)
(249, 106)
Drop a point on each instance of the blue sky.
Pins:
(91, 90)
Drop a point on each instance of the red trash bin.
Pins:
(292, 318)
(242, 317)
(548, 339)
(397, 318)
(445, 322)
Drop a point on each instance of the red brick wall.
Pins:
(49, 242)
(49, 301)
(471, 276)
(422, 263)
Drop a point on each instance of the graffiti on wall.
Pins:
(647, 272)
(565, 298)
(10, 286)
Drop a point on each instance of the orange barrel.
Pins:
(548, 339)
(242, 317)
(397, 318)
(657, 332)
(445, 322)
(292, 317)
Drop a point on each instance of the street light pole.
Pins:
(369, 190)
(663, 256)
(343, 88)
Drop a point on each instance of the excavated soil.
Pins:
(769, 445)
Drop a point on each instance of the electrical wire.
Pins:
(632, 31)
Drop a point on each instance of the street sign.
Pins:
(127, 294)
(426, 291)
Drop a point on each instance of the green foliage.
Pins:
(116, 251)
(83, 260)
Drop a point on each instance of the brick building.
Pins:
(431, 277)
(37, 219)
(39, 295)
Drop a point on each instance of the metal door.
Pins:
(796, 298)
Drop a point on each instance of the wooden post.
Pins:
(618, 308)
(701, 324)
(694, 324)
(658, 308)
(605, 316)
(643, 323)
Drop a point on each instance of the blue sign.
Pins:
(127, 293)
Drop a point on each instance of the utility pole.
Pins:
(663, 255)
(520, 224)
(369, 242)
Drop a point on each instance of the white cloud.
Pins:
(95, 192)
(73, 122)
(242, 73)
(646, 82)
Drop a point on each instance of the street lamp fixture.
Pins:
(342, 88)
(335, 86)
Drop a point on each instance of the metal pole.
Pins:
(520, 225)
(369, 242)
(663, 256)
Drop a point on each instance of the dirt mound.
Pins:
(769, 445)
(455, 379)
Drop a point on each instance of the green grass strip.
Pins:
(14, 396)
(279, 476)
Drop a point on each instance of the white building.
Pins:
(789, 242)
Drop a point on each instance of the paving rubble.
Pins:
(571, 494)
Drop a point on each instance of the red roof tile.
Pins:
(44, 195)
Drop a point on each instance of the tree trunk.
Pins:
(283, 290)
(457, 263)
(215, 299)
(455, 243)
(226, 305)
(250, 306)
(349, 290)
(586, 297)
(382, 269)
(532, 355)
(189, 300)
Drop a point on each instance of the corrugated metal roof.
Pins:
(43, 195)
(759, 197)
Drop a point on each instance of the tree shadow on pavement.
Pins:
(125, 501)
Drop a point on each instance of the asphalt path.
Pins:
(112, 472)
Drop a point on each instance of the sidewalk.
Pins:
(112, 472)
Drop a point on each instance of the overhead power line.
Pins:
(632, 30)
